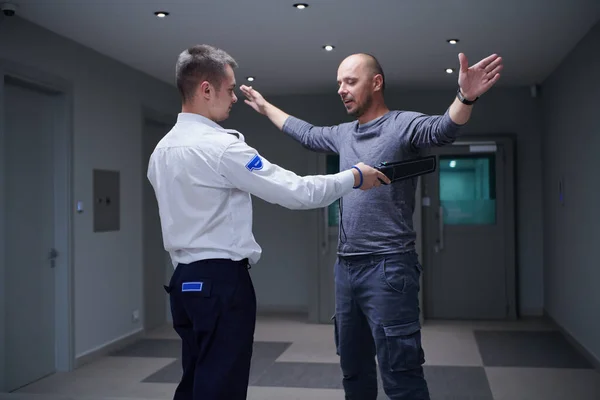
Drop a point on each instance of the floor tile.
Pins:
(278, 393)
(149, 391)
(525, 324)
(455, 348)
(543, 383)
(318, 351)
(444, 382)
(163, 332)
(108, 376)
(453, 383)
(168, 374)
(303, 375)
(291, 330)
(170, 348)
(544, 349)
(264, 355)
(291, 353)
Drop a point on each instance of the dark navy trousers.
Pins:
(377, 315)
(213, 305)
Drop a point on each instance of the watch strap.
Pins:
(462, 99)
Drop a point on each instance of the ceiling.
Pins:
(282, 46)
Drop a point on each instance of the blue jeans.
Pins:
(377, 314)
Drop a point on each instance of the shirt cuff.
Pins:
(346, 179)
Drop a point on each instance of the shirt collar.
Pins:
(191, 117)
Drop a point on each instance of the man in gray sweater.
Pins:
(377, 271)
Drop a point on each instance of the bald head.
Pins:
(364, 63)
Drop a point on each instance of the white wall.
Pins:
(282, 275)
(108, 100)
(571, 139)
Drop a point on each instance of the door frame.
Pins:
(317, 165)
(151, 115)
(508, 143)
(63, 192)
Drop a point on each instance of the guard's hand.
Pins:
(254, 99)
(371, 177)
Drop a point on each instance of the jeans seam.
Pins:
(385, 279)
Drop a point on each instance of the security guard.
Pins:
(203, 177)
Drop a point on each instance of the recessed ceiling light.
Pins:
(161, 14)
(328, 47)
(250, 79)
(452, 41)
(300, 6)
(449, 70)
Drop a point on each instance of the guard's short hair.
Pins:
(201, 63)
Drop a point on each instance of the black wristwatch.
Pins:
(463, 100)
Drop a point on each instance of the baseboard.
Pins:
(578, 346)
(104, 350)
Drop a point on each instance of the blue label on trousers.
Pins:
(191, 286)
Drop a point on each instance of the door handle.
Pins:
(52, 257)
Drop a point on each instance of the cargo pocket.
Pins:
(200, 303)
(404, 346)
(336, 335)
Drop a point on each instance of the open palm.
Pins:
(479, 78)
(253, 98)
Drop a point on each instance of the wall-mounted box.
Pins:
(107, 215)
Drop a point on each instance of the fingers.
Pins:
(491, 82)
(374, 178)
(247, 90)
(493, 65)
(464, 63)
(487, 61)
(382, 177)
(490, 74)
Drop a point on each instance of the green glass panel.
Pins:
(468, 189)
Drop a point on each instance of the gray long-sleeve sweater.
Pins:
(377, 221)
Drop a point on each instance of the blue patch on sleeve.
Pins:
(255, 163)
(191, 286)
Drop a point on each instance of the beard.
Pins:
(361, 108)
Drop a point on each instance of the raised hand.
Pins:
(479, 78)
(254, 99)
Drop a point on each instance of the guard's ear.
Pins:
(205, 89)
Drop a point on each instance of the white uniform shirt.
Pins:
(203, 176)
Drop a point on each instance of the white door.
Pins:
(29, 189)
(157, 268)
(468, 220)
